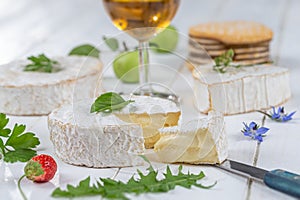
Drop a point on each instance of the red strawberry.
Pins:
(40, 168)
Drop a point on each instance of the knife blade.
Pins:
(278, 179)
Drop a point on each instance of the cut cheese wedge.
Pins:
(94, 140)
(201, 141)
(38, 93)
(152, 114)
(240, 90)
(109, 140)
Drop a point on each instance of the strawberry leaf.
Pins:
(148, 183)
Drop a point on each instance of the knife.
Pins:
(278, 179)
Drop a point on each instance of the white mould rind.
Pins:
(243, 90)
(36, 93)
(94, 140)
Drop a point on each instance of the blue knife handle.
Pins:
(283, 181)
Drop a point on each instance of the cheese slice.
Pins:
(201, 141)
(241, 90)
(151, 113)
(37, 93)
(94, 140)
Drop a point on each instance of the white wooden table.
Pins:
(55, 26)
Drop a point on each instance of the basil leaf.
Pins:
(109, 102)
(85, 50)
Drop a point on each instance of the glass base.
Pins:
(154, 90)
(169, 96)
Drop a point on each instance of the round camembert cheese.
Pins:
(38, 93)
(109, 140)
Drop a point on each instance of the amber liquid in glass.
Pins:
(142, 19)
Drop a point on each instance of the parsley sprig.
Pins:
(224, 61)
(109, 102)
(40, 63)
(16, 144)
(112, 189)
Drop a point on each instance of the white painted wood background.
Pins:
(55, 26)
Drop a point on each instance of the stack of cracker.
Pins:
(249, 40)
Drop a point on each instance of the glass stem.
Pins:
(144, 68)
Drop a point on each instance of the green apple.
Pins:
(166, 41)
(126, 68)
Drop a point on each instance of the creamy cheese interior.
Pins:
(198, 142)
(152, 114)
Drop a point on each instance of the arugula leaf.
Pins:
(40, 63)
(19, 144)
(112, 43)
(112, 189)
(224, 61)
(83, 189)
(85, 50)
(109, 102)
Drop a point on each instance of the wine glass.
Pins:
(143, 19)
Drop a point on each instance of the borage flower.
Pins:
(280, 115)
(254, 131)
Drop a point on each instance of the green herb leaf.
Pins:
(22, 155)
(112, 43)
(85, 50)
(83, 189)
(19, 144)
(40, 63)
(112, 189)
(224, 61)
(109, 102)
(4, 132)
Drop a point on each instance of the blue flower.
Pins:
(280, 115)
(254, 131)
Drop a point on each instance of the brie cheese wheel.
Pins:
(151, 113)
(240, 90)
(94, 140)
(38, 93)
(202, 141)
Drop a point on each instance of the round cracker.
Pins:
(251, 49)
(253, 61)
(233, 32)
(251, 55)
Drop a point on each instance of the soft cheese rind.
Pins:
(36, 93)
(241, 90)
(201, 141)
(94, 140)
